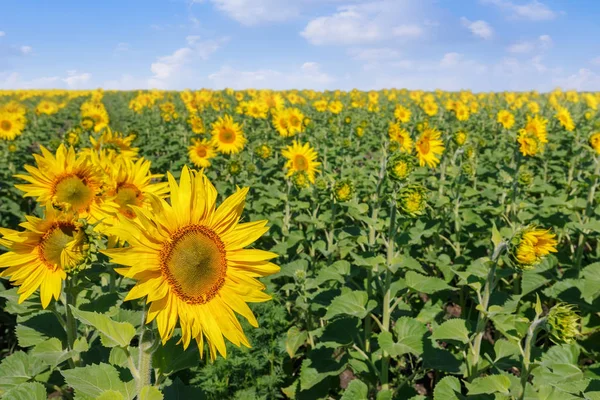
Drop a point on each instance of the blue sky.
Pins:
(320, 44)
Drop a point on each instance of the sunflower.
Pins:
(506, 119)
(130, 184)
(430, 108)
(281, 122)
(188, 258)
(595, 142)
(402, 114)
(200, 152)
(11, 125)
(295, 120)
(532, 245)
(116, 145)
(43, 254)
(301, 158)
(196, 124)
(429, 146)
(529, 144)
(400, 136)
(227, 136)
(537, 126)
(69, 181)
(564, 117)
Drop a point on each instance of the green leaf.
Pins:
(179, 391)
(150, 393)
(294, 339)
(489, 385)
(109, 395)
(425, 284)
(112, 333)
(29, 391)
(409, 332)
(453, 329)
(171, 357)
(356, 390)
(352, 303)
(496, 236)
(19, 368)
(51, 352)
(320, 364)
(448, 389)
(38, 328)
(94, 380)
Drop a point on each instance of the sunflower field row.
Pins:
(258, 244)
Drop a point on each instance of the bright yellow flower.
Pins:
(301, 158)
(227, 136)
(400, 136)
(200, 152)
(533, 245)
(506, 119)
(428, 147)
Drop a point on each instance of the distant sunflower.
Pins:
(69, 181)
(400, 136)
(227, 136)
(429, 146)
(130, 184)
(115, 143)
(188, 258)
(11, 125)
(43, 254)
(200, 152)
(402, 114)
(281, 122)
(301, 158)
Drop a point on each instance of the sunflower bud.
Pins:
(595, 142)
(412, 200)
(321, 184)
(343, 190)
(525, 178)
(531, 245)
(346, 143)
(234, 168)
(263, 151)
(468, 170)
(360, 131)
(460, 138)
(399, 166)
(12, 148)
(300, 180)
(87, 123)
(563, 323)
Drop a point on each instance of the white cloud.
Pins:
(408, 31)
(373, 54)
(584, 80)
(168, 67)
(450, 60)
(544, 42)
(308, 75)
(533, 11)
(595, 61)
(478, 28)
(253, 12)
(368, 22)
(26, 50)
(75, 80)
(2, 33)
(121, 47)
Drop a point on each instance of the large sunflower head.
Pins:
(200, 152)
(43, 254)
(429, 147)
(227, 136)
(11, 125)
(301, 158)
(188, 258)
(68, 181)
(400, 136)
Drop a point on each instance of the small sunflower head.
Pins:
(468, 169)
(563, 323)
(399, 166)
(300, 180)
(412, 200)
(360, 131)
(348, 120)
(346, 143)
(588, 115)
(469, 152)
(321, 184)
(525, 178)
(530, 245)
(364, 124)
(251, 168)
(460, 138)
(263, 151)
(234, 168)
(595, 142)
(12, 148)
(87, 123)
(343, 190)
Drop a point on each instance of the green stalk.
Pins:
(488, 289)
(385, 361)
(515, 189)
(144, 366)
(526, 364)
(586, 217)
(70, 321)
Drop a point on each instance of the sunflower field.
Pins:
(258, 244)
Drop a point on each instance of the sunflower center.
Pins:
(294, 121)
(54, 247)
(227, 136)
(300, 163)
(423, 146)
(201, 152)
(413, 202)
(5, 125)
(72, 190)
(194, 264)
(128, 195)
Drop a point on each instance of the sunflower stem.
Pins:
(488, 289)
(70, 321)
(385, 361)
(586, 217)
(526, 363)
(145, 357)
